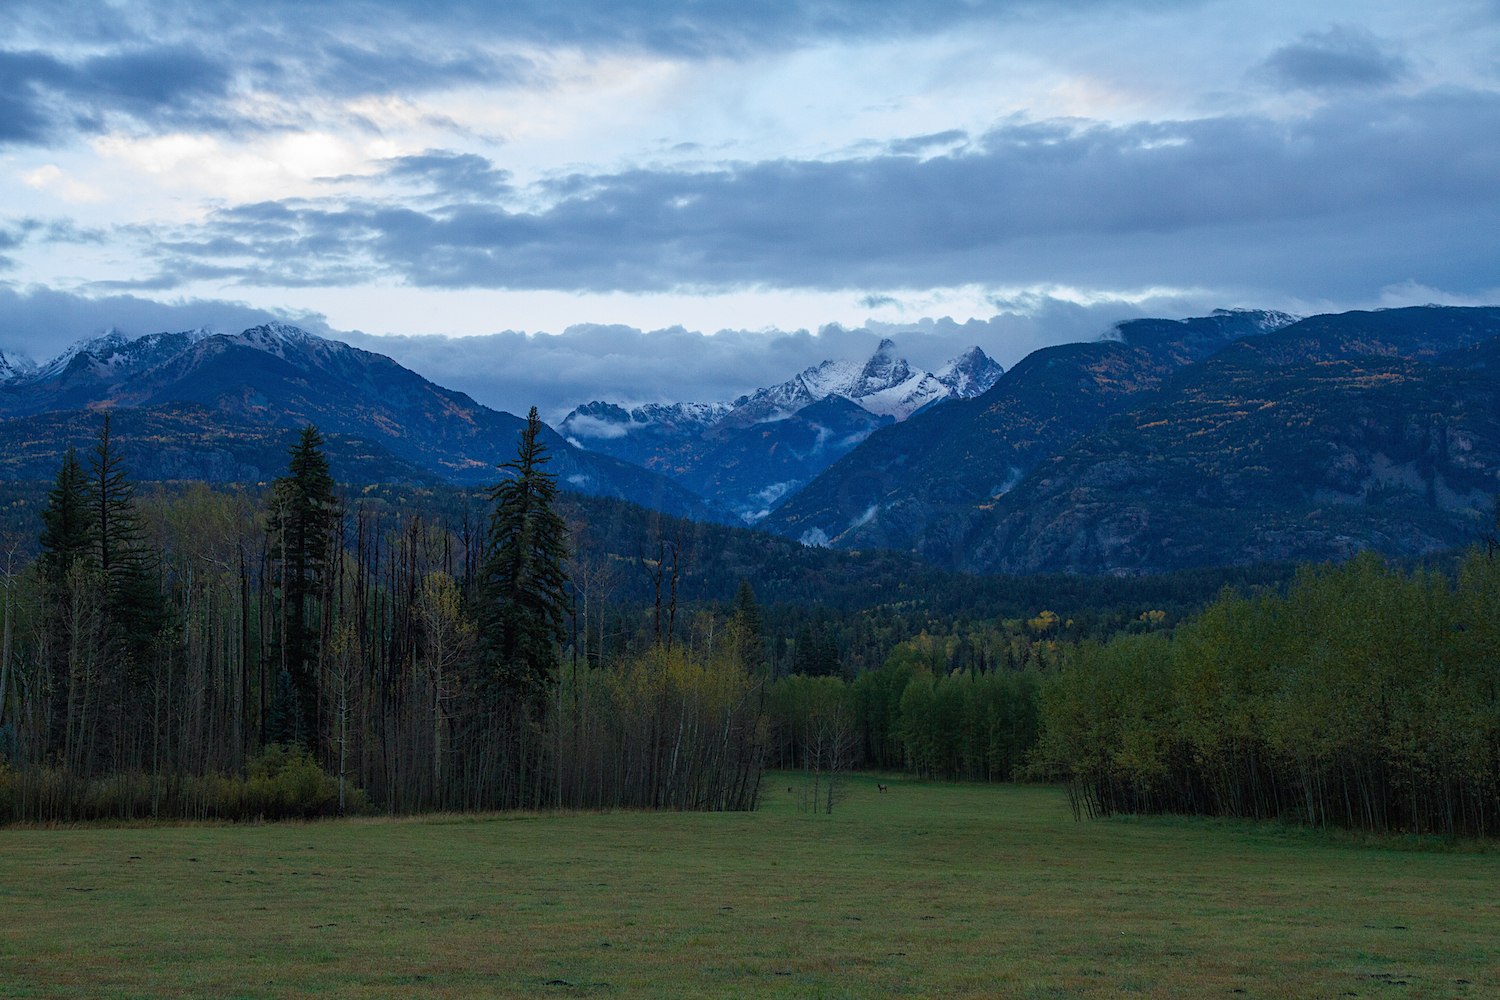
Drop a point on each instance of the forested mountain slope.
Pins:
(1232, 463)
(990, 486)
(284, 377)
(188, 441)
(902, 485)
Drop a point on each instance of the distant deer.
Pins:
(882, 787)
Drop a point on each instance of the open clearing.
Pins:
(929, 890)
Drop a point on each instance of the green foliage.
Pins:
(1363, 698)
(282, 782)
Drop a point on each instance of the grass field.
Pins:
(930, 890)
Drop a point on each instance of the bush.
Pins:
(281, 782)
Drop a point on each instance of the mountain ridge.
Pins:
(751, 453)
(935, 486)
(283, 376)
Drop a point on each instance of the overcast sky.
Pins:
(547, 181)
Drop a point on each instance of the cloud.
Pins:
(43, 97)
(212, 64)
(1355, 195)
(42, 322)
(622, 364)
(682, 28)
(922, 143)
(1341, 58)
(462, 176)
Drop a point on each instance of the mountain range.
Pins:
(283, 377)
(750, 454)
(1220, 440)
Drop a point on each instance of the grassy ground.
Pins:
(930, 890)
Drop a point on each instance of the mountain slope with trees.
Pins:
(1231, 463)
(284, 377)
(1021, 479)
(899, 488)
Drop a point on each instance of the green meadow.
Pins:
(927, 890)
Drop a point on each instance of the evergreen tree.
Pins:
(524, 596)
(111, 503)
(135, 609)
(749, 626)
(66, 541)
(302, 520)
(68, 527)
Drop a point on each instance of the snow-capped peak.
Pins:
(970, 374)
(15, 367)
(102, 347)
(275, 338)
(883, 371)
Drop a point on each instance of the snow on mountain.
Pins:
(885, 385)
(905, 398)
(599, 420)
(15, 367)
(280, 339)
(112, 355)
(970, 374)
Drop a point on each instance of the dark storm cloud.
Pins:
(1365, 188)
(1340, 58)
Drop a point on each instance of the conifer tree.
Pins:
(302, 518)
(135, 610)
(748, 624)
(67, 533)
(524, 599)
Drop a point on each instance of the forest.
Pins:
(308, 649)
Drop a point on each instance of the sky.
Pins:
(641, 201)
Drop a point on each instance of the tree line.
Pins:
(1363, 697)
(219, 653)
(301, 649)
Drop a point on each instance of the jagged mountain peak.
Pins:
(114, 354)
(883, 370)
(15, 367)
(972, 373)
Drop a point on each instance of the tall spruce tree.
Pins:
(67, 546)
(135, 609)
(302, 520)
(67, 523)
(524, 599)
(749, 626)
